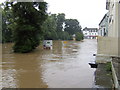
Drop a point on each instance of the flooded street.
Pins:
(65, 66)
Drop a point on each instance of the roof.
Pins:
(90, 28)
(103, 18)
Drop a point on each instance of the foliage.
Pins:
(79, 36)
(64, 35)
(27, 23)
(72, 26)
(108, 67)
(49, 27)
(60, 21)
(54, 29)
(7, 23)
(27, 31)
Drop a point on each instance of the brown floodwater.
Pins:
(65, 66)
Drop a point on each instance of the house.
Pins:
(109, 45)
(90, 33)
(103, 26)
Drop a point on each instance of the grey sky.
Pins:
(88, 12)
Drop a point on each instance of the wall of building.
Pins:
(119, 28)
(119, 20)
(111, 45)
(116, 19)
(113, 19)
(107, 46)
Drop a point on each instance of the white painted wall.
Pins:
(114, 16)
(110, 45)
(119, 28)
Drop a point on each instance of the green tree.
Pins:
(72, 26)
(60, 21)
(64, 36)
(7, 22)
(50, 27)
(79, 36)
(29, 17)
(53, 27)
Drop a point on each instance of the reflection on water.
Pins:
(65, 66)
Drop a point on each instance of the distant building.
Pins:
(103, 26)
(90, 33)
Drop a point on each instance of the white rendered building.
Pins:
(90, 33)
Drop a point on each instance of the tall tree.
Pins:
(29, 17)
(72, 26)
(49, 27)
(7, 22)
(60, 21)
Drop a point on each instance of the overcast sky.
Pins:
(88, 12)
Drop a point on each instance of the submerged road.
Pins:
(65, 66)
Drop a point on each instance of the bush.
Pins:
(79, 36)
(108, 67)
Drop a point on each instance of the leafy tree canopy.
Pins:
(7, 22)
(79, 36)
(60, 21)
(72, 26)
(29, 17)
(50, 27)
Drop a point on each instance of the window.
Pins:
(104, 32)
(112, 5)
(110, 19)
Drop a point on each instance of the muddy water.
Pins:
(65, 66)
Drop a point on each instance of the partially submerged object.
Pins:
(47, 44)
(93, 64)
(94, 54)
